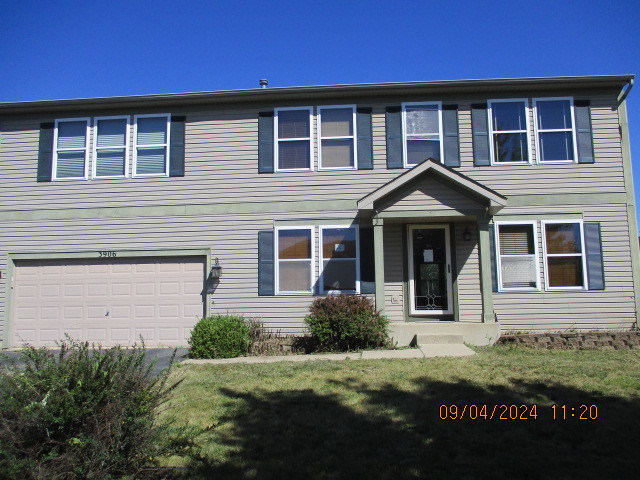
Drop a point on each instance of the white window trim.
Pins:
(535, 254)
(527, 112)
(537, 131)
(54, 166)
(165, 145)
(353, 137)
(276, 140)
(96, 148)
(356, 258)
(312, 260)
(404, 131)
(546, 255)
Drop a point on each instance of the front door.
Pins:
(430, 278)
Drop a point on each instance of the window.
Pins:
(71, 142)
(422, 127)
(509, 131)
(564, 257)
(336, 146)
(294, 266)
(111, 147)
(293, 128)
(517, 256)
(151, 139)
(339, 260)
(555, 136)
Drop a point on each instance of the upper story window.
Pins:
(564, 255)
(422, 129)
(509, 131)
(71, 142)
(336, 145)
(111, 147)
(151, 141)
(555, 135)
(294, 265)
(293, 130)
(339, 260)
(98, 148)
(517, 256)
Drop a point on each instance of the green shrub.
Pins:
(80, 413)
(346, 322)
(219, 336)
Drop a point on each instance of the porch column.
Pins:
(378, 248)
(484, 247)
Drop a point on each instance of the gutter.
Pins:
(625, 92)
(280, 94)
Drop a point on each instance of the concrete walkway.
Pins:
(419, 352)
(162, 356)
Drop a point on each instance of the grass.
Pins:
(381, 418)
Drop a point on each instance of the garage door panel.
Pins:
(97, 290)
(121, 335)
(108, 302)
(144, 268)
(142, 289)
(169, 288)
(74, 313)
(26, 335)
(118, 289)
(27, 291)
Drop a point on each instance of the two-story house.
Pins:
(465, 207)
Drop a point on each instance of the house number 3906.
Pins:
(107, 254)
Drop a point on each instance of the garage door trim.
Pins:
(88, 255)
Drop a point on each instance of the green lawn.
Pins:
(381, 418)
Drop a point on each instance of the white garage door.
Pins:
(109, 302)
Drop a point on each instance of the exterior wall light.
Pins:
(466, 235)
(216, 269)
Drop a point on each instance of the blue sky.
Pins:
(71, 49)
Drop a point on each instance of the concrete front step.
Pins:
(427, 339)
(446, 350)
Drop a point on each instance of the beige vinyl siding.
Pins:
(393, 272)
(612, 308)
(428, 194)
(232, 239)
(468, 273)
(221, 168)
(604, 176)
(221, 165)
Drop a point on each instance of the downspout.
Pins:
(631, 206)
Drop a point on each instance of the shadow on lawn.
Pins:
(304, 434)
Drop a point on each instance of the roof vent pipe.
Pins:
(264, 82)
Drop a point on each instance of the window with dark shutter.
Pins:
(45, 152)
(266, 267)
(265, 142)
(451, 145)
(393, 122)
(584, 137)
(176, 156)
(365, 138)
(480, 128)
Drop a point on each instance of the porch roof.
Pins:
(494, 200)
